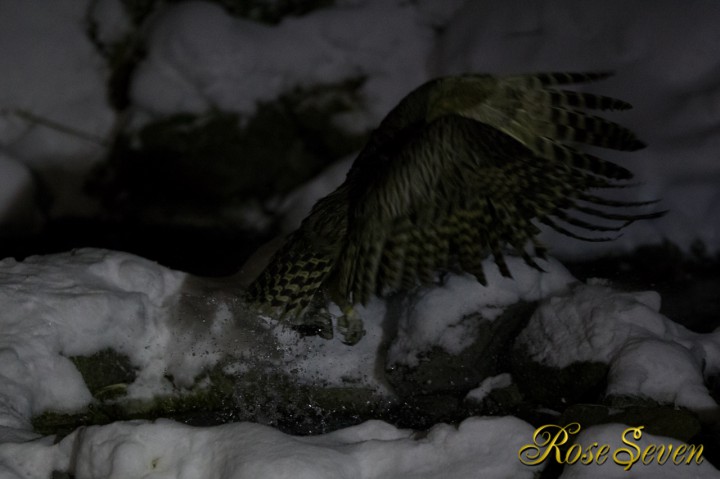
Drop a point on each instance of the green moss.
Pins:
(212, 391)
(105, 373)
(261, 395)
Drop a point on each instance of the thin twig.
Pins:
(68, 130)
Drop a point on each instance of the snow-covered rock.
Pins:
(649, 356)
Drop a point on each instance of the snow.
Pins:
(372, 450)
(440, 316)
(662, 370)
(81, 302)
(487, 385)
(649, 355)
(17, 209)
(110, 19)
(200, 57)
(51, 71)
(315, 360)
(87, 300)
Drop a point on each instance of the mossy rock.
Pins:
(214, 390)
(106, 373)
(262, 395)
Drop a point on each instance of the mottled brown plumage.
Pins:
(461, 168)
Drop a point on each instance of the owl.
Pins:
(462, 168)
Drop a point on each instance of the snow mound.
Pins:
(440, 315)
(199, 57)
(649, 355)
(72, 304)
(478, 447)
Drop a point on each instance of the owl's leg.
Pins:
(350, 325)
(316, 321)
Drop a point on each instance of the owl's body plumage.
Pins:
(461, 168)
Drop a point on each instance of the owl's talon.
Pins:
(350, 325)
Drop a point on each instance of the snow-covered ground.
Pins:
(479, 447)
(198, 57)
(82, 302)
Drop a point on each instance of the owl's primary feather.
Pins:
(462, 167)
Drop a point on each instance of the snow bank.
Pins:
(479, 447)
(199, 57)
(79, 303)
(649, 355)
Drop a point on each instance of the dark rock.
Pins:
(440, 372)
(657, 419)
(556, 388)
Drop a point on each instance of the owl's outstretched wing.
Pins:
(467, 166)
